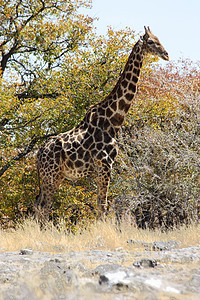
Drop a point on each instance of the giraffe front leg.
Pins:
(102, 191)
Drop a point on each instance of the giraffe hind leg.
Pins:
(43, 203)
(49, 166)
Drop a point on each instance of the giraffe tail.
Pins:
(38, 178)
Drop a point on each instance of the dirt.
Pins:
(162, 271)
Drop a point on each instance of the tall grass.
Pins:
(101, 235)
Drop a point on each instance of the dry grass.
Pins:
(102, 235)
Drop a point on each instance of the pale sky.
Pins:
(175, 22)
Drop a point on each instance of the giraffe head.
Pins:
(152, 44)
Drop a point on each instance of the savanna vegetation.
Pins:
(53, 67)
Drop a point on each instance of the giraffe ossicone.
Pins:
(90, 148)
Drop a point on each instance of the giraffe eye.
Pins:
(150, 42)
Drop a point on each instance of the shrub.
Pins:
(156, 180)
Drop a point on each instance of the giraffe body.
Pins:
(90, 148)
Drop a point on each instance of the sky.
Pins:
(175, 22)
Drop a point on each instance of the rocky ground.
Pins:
(163, 270)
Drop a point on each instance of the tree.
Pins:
(61, 67)
(36, 34)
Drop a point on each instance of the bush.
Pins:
(161, 187)
(156, 180)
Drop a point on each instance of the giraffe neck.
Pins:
(119, 100)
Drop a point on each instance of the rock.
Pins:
(79, 266)
(70, 277)
(26, 252)
(145, 263)
(105, 268)
(103, 279)
(161, 246)
(155, 246)
(182, 256)
(161, 285)
(195, 283)
(140, 243)
(115, 279)
(56, 260)
(120, 249)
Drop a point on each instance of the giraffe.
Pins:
(90, 148)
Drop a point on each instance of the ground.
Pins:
(99, 263)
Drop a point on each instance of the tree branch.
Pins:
(26, 123)
(15, 35)
(28, 148)
(18, 157)
(22, 97)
